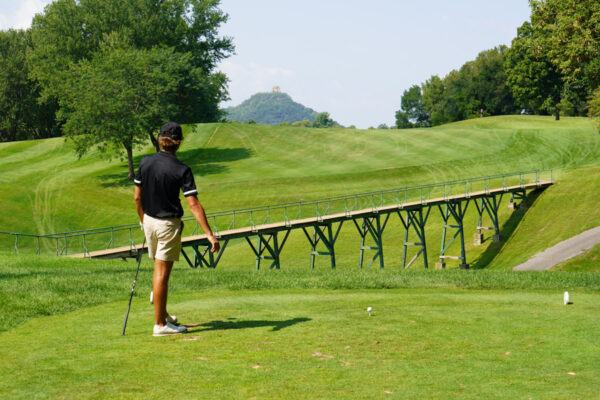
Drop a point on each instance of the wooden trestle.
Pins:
(370, 223)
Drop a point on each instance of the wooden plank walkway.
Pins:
(130, 251)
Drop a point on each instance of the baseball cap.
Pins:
(171, 130)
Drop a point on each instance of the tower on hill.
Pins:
(276, 89)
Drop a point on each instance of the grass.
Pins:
(37, 286)
(318, 344)
(300, 333)
(46, 189)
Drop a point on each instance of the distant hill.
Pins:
(270, 108)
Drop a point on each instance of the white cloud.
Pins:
(18, 14)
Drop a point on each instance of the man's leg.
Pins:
(160, 286)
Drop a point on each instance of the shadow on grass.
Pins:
(233, 324)
(506, 231)
(202, 161)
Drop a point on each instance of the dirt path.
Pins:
(564, 250)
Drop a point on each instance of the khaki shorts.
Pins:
(163, 236)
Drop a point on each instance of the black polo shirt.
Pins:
(161, 176)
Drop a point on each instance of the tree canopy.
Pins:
(21, 115)
(129, 65)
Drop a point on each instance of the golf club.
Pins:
(139, 257)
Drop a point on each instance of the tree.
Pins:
(434, 100)
(534, 80)
(22, 117)
(412, 104)
(486, 84)
(323, 120)
(120, 95)
(593, 107)
(569, 35)
(402, 121)
(69, 34)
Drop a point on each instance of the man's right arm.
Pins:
(137, 197)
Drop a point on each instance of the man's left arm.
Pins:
(198, 212)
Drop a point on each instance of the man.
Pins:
(157, 183)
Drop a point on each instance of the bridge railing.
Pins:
(85, 241)
(287, 212)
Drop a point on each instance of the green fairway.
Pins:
(46, 189)
(301, 333)
(418, 343)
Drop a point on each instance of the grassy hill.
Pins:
(270, 108)
(298, 333)
(46, 189)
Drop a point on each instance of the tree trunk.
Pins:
(130, 161)
(154, 142)
(557, 114)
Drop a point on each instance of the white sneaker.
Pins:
(172, 319)
(168, 329)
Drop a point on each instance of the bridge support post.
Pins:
(274, 249)
(516, 196)
(457, 211)
(323, 233)
(490, 204)
(417, 220)
(374, 227)
(200, 259)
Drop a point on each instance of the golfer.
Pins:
(157, 183)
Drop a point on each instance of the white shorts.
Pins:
(163, 236)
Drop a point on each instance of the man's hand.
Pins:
(216, 246)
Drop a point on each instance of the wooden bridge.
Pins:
(369, 212)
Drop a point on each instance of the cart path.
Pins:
(564, 250)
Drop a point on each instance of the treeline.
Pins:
(108, 73)
(552, 67)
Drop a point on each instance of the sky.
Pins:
(350, 58)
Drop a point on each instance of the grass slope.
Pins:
(46, 189)
(301, 333)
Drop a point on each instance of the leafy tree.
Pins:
(435, 99)
(534, 80)
(569, 34)
(69, 34)
(382, 126)
(412, 104)
(121, 94)
(21, 115)
(323, 120)
(593, 106)
(487, 84)
(251, 121)
(478, 85)
(402, 121)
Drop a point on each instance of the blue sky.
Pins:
(351, 58)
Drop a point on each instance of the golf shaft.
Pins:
(139, 256)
